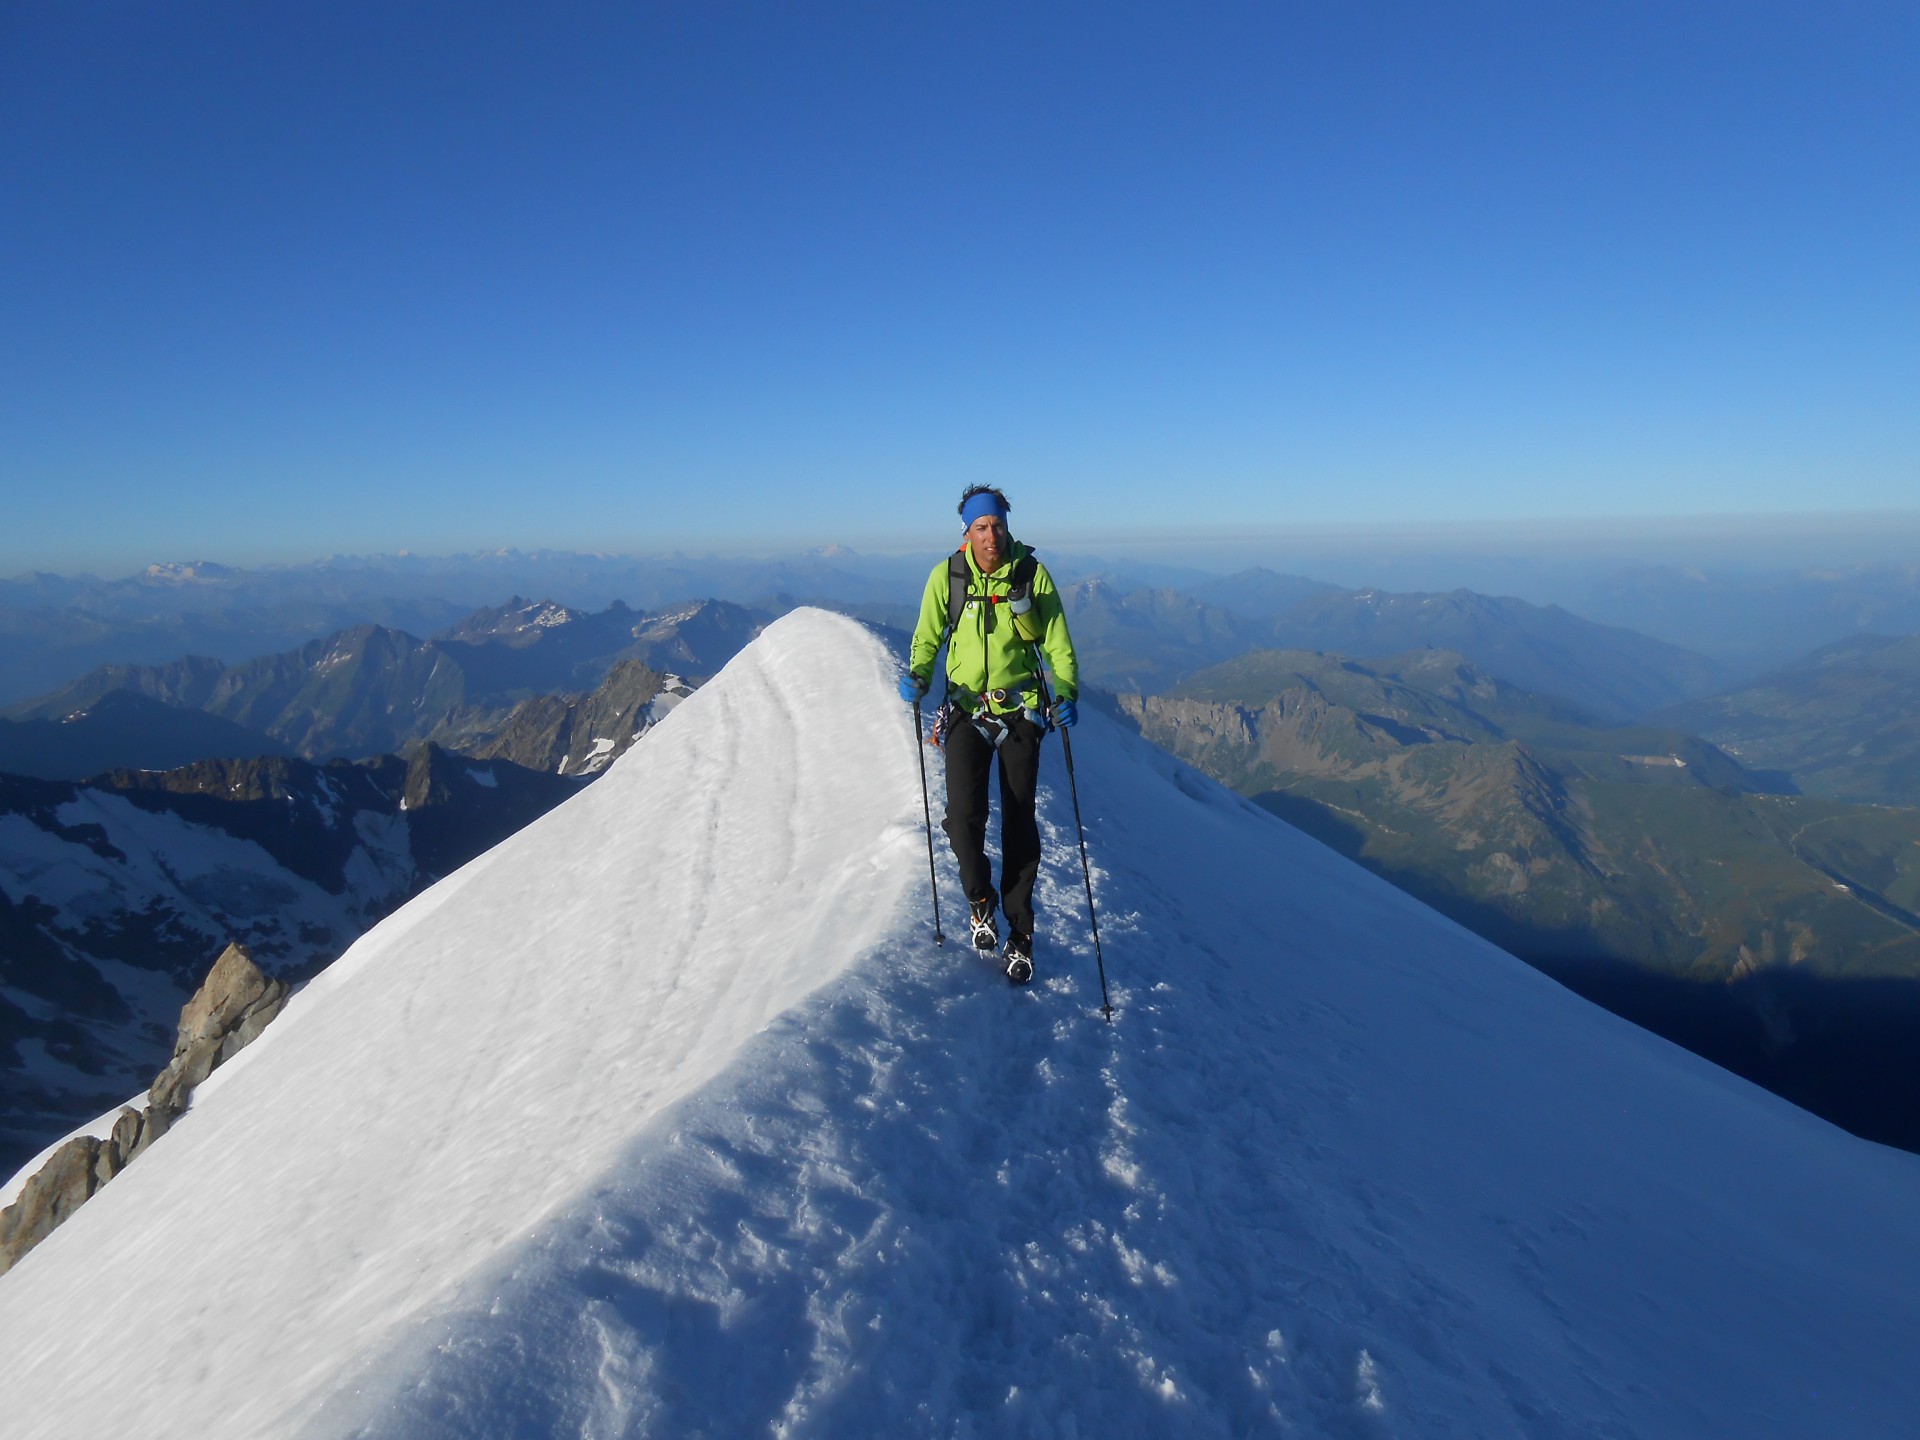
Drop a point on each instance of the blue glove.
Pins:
(912, 687)
(1064, 715)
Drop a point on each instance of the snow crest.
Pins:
(481, 1056)
(1340, 1169)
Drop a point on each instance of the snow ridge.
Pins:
(1340, 1169)
(478, 1057)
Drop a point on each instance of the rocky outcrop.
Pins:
(226, 1014)
(56, 1190)
(127, 1139)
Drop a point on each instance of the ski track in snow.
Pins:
(1339, 1169)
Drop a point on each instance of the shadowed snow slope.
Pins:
(667, 1118)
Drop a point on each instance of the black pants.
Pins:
(969, 756)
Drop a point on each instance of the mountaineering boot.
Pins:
(1019, 957)
(986, 933)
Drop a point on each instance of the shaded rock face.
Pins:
(58, 1189)
(123, 728)
(229, 1010)
(578, 735)
(455, 808)
(129, 1137)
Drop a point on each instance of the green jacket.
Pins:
(989, 649)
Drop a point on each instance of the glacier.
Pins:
(666, 1117)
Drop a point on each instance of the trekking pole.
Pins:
(1086, 870)
(926, 809)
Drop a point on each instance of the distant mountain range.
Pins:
(1147, 640)
(117, 894)
(1756, 622)
(371, 690)
(1258, 593)
(1552, 836)
(1613, 674)
(53, 627)
(1844, 722)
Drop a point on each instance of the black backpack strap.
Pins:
(959, 581)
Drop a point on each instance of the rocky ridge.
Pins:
(579, 735)
(372, 689)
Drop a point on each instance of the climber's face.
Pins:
(988, 539)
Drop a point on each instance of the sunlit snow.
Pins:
(666, 1117)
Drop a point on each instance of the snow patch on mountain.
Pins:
(215, 883)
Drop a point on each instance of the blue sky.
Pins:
(283, 280)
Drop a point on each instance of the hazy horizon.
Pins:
(296, 281)
(1592, 570)
(1730, 543)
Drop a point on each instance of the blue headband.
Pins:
(985, 503)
